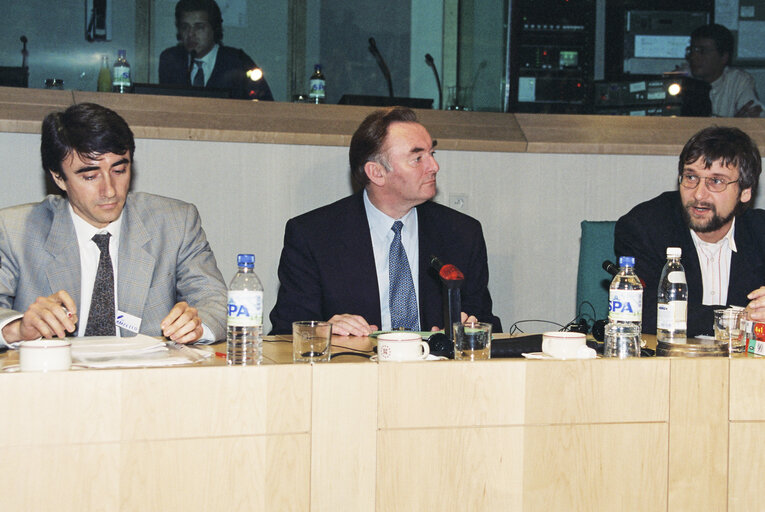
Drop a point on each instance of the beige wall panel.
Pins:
(698, 457)
(747, 464)
(747, 380)
(343, 440)
(75, 478)
(451, 393)
(597, 391)
(475, 469)
(595, 467)
(59, 407)
(231, 474)
(181, 402)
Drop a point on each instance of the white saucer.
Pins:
(542, 355)
(430, 357)
(14, 368)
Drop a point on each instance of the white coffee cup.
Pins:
(566, 345)
(45, 355)
(401, 346)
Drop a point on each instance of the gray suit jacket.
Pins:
(164, 258)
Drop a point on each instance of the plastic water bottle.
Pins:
(121, 81)
(672, 303)
(244, 323)
(317, 85)
(625, 296)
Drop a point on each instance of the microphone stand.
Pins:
(430, 62)
(381, 62)
(452, 280)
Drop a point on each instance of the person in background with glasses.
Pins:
(710, 219)
(733, 92)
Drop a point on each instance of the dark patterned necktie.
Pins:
(101, 317)
(199, 78)
(402, 299)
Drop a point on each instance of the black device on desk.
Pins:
(385, 101)
(180, 90)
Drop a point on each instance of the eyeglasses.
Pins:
(691, 181)
(701, 50)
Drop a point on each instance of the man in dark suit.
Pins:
(722, 239)
(344, 261)
(201, 60)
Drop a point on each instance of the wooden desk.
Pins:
(641, 434)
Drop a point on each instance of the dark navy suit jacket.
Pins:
(327, 265)
(231, 65)
(650, 227)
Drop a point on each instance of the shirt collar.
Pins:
(209, 59)
(729, 239)
(380, 223)
(85, 230)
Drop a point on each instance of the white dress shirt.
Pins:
(734, 89)
(208, 64)
(714, 259)
(89, 256)
(382, 236)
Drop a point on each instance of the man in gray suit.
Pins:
(103, 260)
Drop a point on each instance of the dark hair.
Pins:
(719, 34)
(368, 140)
(213, 15)
(729, 145)
(86, 129)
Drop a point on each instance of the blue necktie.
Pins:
(101, 318)
(403, 300)
(199, 78)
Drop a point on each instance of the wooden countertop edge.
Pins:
(177, 118)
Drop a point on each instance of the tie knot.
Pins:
(396, 227)
(198, 63)
(102, 241)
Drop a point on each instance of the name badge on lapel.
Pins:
(128, 321)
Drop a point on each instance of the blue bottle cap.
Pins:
(627, 261)
(246, 260)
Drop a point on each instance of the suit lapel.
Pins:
(360, 271)
(62, 247)
(430, 241)
(136, 264)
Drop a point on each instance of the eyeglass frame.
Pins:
(707, 179)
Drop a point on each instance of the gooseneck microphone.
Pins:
(452, 279)
(24, 51)
(381, 62)
(430, 62)
(611, 267)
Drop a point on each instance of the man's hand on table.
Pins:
(182, 324)
(351, 325)
(55, 315)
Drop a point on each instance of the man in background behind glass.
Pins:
(200, 59)
(733, 92)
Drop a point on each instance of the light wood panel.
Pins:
(236, 473)
(747, 461)
(343, 441)
(451, 393)
(59, 408)
(202, 402)
(747, 380)
(72, 477)
(608, 391)
(595, 467)
(698, 434)
(453, 469)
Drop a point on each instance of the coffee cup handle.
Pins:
(425, 350)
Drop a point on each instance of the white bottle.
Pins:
(121, 81)
(672, 302)
(244, 322)
(625, 296)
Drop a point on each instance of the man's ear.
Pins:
(58, 180)
(375, 172)
(746, 195)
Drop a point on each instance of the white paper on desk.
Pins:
(105, 347)
(139, 351)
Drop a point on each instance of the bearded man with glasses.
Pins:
(710, 219)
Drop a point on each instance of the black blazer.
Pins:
(650, 227)
(231, 64)
(327, 265)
